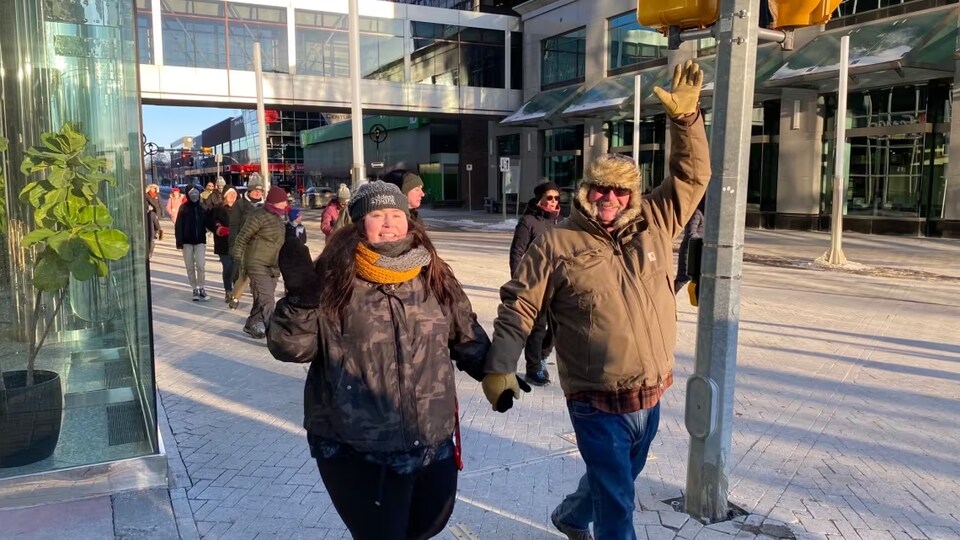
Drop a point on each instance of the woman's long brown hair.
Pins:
(337, 269)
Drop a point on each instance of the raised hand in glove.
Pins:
(502, 388)
(684, 97)
(299, 276)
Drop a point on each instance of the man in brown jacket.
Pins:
(605, 277)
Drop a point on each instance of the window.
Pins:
(249, 24)
(194, 34)
(896, 164)
(516, 61)
(854, 7)
(562, 154)
(629, 43)
(145, 31)
(457, 55)
(563, 58)
(322, 47)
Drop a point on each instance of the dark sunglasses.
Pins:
(605, 190)
(552, 198)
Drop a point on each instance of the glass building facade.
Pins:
(896, 151)
(457, 55)
(563, 59)
(219, 35)
(82, 336)
(629, 44)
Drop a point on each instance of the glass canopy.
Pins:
(541, 106)
(910, 48)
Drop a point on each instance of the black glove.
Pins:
(299, 276)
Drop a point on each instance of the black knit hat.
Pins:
(544, 187)
(376, 195)
(407, 181)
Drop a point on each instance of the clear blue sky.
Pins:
(163, 124)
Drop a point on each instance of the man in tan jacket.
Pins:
(605, 278)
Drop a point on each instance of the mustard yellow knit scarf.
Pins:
(376, 268)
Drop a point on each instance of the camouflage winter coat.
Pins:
(381, 378)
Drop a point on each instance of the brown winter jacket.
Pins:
(610, 296)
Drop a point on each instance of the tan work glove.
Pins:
(502, 388)
(685, 97)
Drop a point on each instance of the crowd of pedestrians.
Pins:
(383, 323)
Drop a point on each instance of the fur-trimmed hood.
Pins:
(613, 170)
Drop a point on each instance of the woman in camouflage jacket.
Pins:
(380, 316)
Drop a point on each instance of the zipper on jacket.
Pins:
(399, 354)
(618, 253)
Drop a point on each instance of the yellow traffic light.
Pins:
(794, 13)
(206, 150)
(683, 13)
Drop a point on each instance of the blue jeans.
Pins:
(615, 448)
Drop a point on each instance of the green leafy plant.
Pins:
(73, 231)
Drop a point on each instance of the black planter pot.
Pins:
(30, 420)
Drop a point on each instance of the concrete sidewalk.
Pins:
(845, 416)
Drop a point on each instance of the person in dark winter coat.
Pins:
(239, 212)
(379, 317)
(257, 248)
(218, 220)
(154, 213)
(191, 234)
(693, 229)
(542, 213)
(412, 186)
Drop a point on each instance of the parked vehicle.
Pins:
(317, 197)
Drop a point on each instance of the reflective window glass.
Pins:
(563, 58)
(629, 43)
(194, 34)
(145, 35)
(249, 24)
(455, 55)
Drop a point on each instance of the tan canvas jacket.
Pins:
(609, 296)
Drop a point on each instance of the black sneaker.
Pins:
(256, 331)
(234, 302)
(227, 297)
(540, 376)
(572, 533)
(203, 294)
(196, 295)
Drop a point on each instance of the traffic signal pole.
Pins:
(710, 391)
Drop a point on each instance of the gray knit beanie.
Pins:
(376, 195)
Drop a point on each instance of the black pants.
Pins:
(226, 262)
(539, 344)
(377, 503)
(263, 289)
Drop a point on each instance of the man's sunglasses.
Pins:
(605, 190)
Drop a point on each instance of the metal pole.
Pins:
(356, 109)
(261, 119)
(835, 255)
(710, 391)
(470, 190)
(503, 177)
(636, 120)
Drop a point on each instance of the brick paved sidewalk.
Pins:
(845, 419)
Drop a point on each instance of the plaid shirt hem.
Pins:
(624, 401)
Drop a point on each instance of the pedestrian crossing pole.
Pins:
(710, 391)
